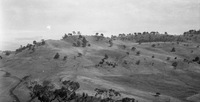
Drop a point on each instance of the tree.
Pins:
(196, 59)
(137, 62)
(64, 58)
(73, 32)
(111, 43)
(79, 33)
(56, 56)
(153, 45)
(34, 42)
(78, 44)
(174, 64)
(173, 49)
(43, 42)
(168, 58)
(84, 42)
(106, 56)
(133, 48)
(102, 35)
(97, 34)
(138, 53)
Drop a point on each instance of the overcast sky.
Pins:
(22, 21)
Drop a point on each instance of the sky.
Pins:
(22, 21)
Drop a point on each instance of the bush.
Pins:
(153, 56)
(64, 58)
(153, 45)
(174, 64)
(196, 59)
(7, 53)
(138, 53)
(79, 55)
(173, 49)
(84, 42)
(105, 56)
(168, 58)
(137, 62)
(133, 48)
(56, 56)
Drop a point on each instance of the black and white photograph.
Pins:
(99, 50)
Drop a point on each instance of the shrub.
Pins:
(174, 64)
(196, 59)
(34, 42)
(7, 53)
(137, 62)
(168, 58)
(84, 42)
(153, 45)
(173, 49)
(153, 56)
(138, 53)
(111, 43)
(79, 55)
(105, 56)
(133, 48)
(56, 56)
(64, 58)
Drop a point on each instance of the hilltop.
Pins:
(137, 65)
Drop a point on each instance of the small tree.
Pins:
(102, 35)
(168, 58)
(106, 56)
(84, 42)
(137, 62)
(78, 44)
(138, 53)
(111, 43)
(153, 45)
(34, 42)
(56, 56)
(174, 64)
(43, 42)
(79, 55)
(64, 58)
(133, 48)
(97, 34)
(173, 50)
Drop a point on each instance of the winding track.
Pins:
(11, 93)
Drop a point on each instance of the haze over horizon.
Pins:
(23, 21)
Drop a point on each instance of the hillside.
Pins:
(135, 70)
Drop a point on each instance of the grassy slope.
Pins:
(139, 81)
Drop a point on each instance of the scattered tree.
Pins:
(173, 49)
(138, 53)
(56, 56)
(174, 64)
(137, 62)
(153, 45)
(64, 58)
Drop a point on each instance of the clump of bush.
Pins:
(57, 56)
(133, 48)
(138, 53)
(173, 50)
(153, 45)
(168, 58)
(137, 62)
(175, 64)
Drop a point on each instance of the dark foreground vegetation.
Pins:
(47, 92)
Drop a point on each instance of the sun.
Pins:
(48, 27)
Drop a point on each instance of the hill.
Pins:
(136, 68)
